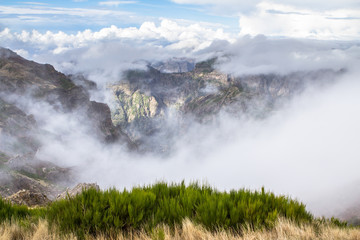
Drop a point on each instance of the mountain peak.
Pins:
(6, 53)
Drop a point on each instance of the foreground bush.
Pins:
(112, 211)
(9, 212)
(143, 210)
(15, 213)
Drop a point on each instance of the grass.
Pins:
(16, 213)
(188, 230)
(164, 211)
(31, 175)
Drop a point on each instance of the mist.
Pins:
(307, 148)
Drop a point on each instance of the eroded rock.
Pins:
(29, 198)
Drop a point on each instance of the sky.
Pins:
(318, 19)
(34, 28)
(78, 15)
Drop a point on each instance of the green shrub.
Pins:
(146, 207)
(9, 212)
(110, 212)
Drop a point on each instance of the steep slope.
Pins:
(22, 84)
(42, 82)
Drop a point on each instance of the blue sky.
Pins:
(72, 16)
(34, 27)
(318, 19)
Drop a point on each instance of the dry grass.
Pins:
(39, 231)
(284, 230)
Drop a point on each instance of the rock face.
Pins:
(77, 190)
(175, 65)
(42, 82)
(35, 198)
(28, 198)
(143, 100)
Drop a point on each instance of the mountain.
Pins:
(144, 99)
(150, 110)
(20, 76)
(175, 65)
(24, 83)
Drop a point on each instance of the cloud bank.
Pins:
(279, 20)
(326, 20)
(265, 55)
(168, 34)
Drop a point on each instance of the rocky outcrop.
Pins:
(210, 104)
(175, 65)
(36, 198)
(131, 106)
(143, 98)
(28, 198)
(77, 190)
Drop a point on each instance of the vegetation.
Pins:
(66, 83)
(135, 74)
(15, 213)
(283, 230)
(9, 212)
(112, 213)
(206, 66)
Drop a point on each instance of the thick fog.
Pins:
(307, 149)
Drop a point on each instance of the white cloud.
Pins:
(266, 55)
(238, 5)
(34, 3)
(104, 54)
(168, 34)
(291, 18)
(42, 10)
(115, 3)
(282, 20)
(22, 52)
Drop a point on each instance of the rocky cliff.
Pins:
(30, 82)
(143, 99)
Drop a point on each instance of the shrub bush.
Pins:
(111, 211)
(9, 212)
